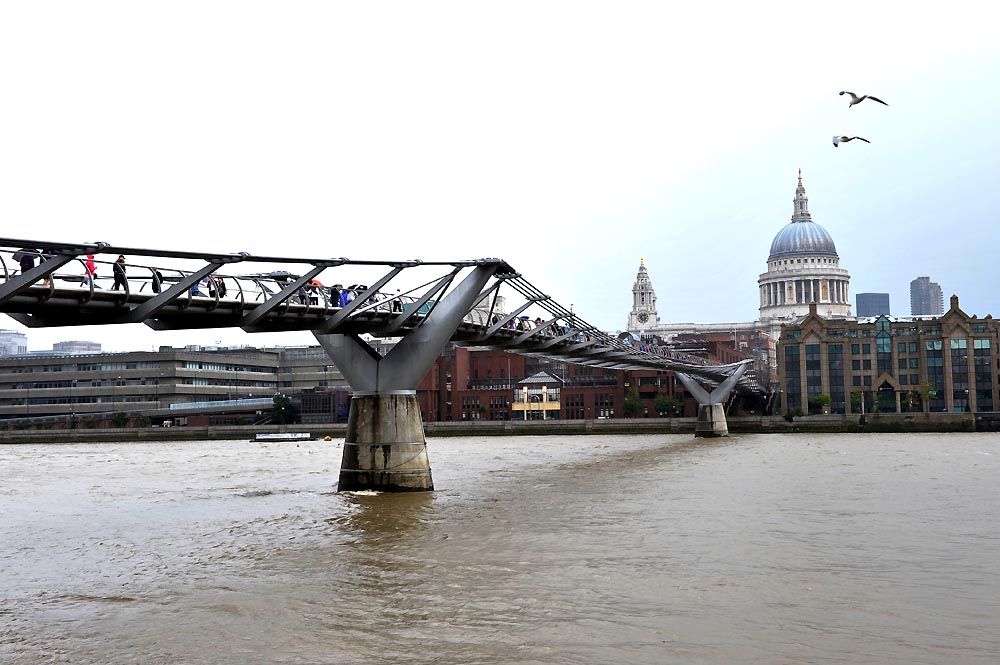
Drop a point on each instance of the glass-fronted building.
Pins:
(890, 365)
(872, 304)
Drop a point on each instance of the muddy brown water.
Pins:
(836, 548)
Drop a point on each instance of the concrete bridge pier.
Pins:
(711, 406)
(385, 449)
(711, 421)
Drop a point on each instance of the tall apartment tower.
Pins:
(926, 298)
(872, 304)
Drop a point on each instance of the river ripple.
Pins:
(572, 549)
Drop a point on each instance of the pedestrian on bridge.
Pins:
(90, 270)
(118, 268)
(26, 259)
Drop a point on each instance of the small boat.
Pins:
(283, 436)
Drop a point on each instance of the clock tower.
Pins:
(643, 315)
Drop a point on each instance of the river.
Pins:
(778, 549)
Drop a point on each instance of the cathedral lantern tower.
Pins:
(643, 315)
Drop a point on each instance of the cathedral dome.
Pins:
(802, 237)
(803, 270)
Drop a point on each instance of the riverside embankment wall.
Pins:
(907, 422)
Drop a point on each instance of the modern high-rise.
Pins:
(872, 304)
(925, 298)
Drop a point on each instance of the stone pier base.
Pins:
(384, 449)
(711, 421)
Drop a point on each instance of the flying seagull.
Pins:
(857, 100)
(837, 140)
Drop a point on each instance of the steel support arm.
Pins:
(335, 320)
(409, 360)
(148, 309)
(23, 282)
(720, 393)
(263, 309)
(441, 284)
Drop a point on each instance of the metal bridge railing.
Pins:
(51, 283)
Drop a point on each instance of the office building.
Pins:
(872, 304)
(926, 298)
(890, 365)
(13, 343)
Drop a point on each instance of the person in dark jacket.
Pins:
(119, 272)
(27, 259)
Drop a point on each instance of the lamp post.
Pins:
(72, 405)
(27, 399)
(159, 380)
(114, 394)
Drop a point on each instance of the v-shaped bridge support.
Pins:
(385, 449)
(711, 405)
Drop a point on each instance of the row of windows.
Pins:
(85, 367)
(219, 367)
(901, 347)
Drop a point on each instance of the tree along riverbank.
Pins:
(906, 422)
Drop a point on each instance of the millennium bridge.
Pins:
(424, 304)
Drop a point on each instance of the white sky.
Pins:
(568, 138)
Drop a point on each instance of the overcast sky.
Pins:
(568, 138)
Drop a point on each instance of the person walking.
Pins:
(90, 269)
(119, 273)
(26, 259)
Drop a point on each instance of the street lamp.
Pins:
(27, 399)
(114, 394)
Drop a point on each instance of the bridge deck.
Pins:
(166, 296)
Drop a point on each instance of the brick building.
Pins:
(891, 365)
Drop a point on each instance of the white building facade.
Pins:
(643, 317)
(802, 267)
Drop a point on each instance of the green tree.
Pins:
(632, 407)
(667, 405)
(794, 413)
(821, 402)
(927, 393)
(284, 411)
(120, 419)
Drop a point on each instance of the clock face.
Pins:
(643, 317)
